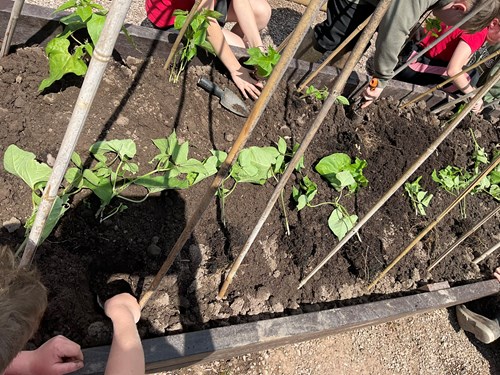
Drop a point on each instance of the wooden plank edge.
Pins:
(182, 350)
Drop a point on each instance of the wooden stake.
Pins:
(11, 26)
(463, 238)
(487, 253)
(337, 88)
(182, 31)
(406, 175)
(467, 190)
(239, 143)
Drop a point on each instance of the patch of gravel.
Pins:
(430, 343)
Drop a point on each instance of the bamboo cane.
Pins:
(333, 54)
(452, 103)
(494, 102)
(463, 238)
(11, 26)
(487, 253)
(97, 66)
(182, 31)
(306, 3)
(405, 176)
(283, 44)
(336, 90)
(246, 131)
(437, 87)
(436, 221)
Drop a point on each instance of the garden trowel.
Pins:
(228, 99)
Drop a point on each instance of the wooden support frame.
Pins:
(182, 350)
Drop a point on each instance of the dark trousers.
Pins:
(343, 17)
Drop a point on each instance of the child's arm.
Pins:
(126, 355)
(57, 356)
(460, 57)
(241, 77)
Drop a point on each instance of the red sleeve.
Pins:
(476, 40)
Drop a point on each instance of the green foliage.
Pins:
(264, 62)
(420, 199)
(65, 57)
(433, 26)
(195, 36)
(342, 100)
(338, 170)
(312, 91)
(111, 174)
(452, 179)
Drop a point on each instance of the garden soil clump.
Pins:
(136, 101)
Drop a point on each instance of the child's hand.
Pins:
(478, 107)
(371, 94)
(497, 274)
(57, 356)
(245, 83)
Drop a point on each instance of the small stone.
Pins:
(122, 120)
(155, 239)
(19, 102)
(130, 60)
(19, 79)
(12, 224)
(263, 293)
(49, 98)
(154, 249)
(434, 120)
(229, 137)
(50, 160)
(237, 305)
(422, 105)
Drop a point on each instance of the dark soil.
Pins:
(136, 101)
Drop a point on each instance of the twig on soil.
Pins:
(436, 221)
(239, 143)
(487, 86)
(487, 253)
(464, 237)
(337, 88)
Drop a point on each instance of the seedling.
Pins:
(341, 173)
(433, 26)
(313, 92)
(342, 100)
(453, 180)
(67, 53)
(263, 62)
(420, 199)
(195, 36)
(113, 172)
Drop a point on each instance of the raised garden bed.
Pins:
(136, 101)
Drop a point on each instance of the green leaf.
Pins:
(95, 25)
(342, 100)
(254, 164)
(124, 148)
(23, 164)
(336, 167)
(264, 62)
(62, 62)
(340, 224)
(158, 183)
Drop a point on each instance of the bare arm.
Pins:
(458, 61)
(247, 22)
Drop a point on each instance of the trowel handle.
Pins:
(211, 87)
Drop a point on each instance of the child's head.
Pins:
(456, 10)
(23, 300)
(493, 36)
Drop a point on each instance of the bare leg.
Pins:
(248, 30)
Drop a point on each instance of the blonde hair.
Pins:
(484, 17)
(23, 300)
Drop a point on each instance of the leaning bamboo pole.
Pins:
(336, 90)
(182, 31)
(97, 66)
(437, 87)
(405, 175)
(452, 103)
(11, 26)
(313, 75)
(239, 143)
(436, 221)
(487, 253)
(463, 238)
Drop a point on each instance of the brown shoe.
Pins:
(484, 329)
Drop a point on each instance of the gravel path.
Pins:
(431, 343)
